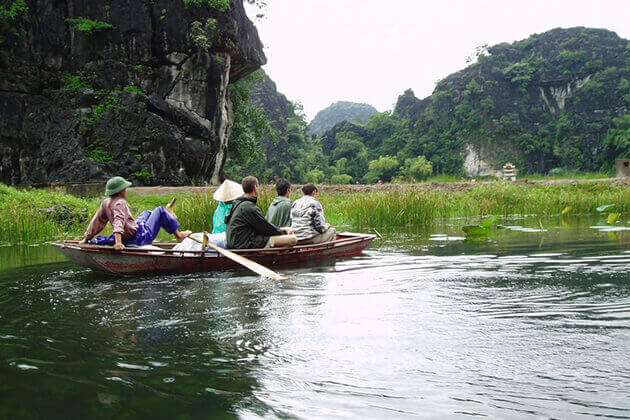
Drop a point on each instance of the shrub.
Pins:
(383, 168)
(96, 152)
(220, 5)
(136, 90)
(75, 82)
(558, 171)
(418, 168)
(112, 104)
(341, 179)
(569, 61)
(617, 141)
(203, 35)
(9, 15)
(315, 176)
(88, 26)
(144, 176)
(522, 73)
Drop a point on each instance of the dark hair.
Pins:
(309, 189)
(282, 186)
(248, 184)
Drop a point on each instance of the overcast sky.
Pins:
(323, 51)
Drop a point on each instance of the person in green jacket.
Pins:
(279, 212)
(225, 195)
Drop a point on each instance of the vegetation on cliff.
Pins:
(554, 100)
(138, 89)
(339, 112)
(554, 103)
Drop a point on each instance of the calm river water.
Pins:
(530, 323)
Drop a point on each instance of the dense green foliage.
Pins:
(10, 13)
(289, 152)
(97, 153)
(552, 102)
(220, 5)
(617, 143)
(88, 26)
(542, 103)
(338, 112)
(203, 35)
(31, 216)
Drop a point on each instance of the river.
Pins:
(533, 322)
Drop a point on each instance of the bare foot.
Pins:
(169, 207)
(180, 236)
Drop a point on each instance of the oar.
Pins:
(245, 262)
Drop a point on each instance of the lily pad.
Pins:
(476, 231)
(613, 218)
(603, 208)
(488, 223)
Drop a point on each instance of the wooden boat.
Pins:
(134, 261)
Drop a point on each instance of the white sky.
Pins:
(323, 51)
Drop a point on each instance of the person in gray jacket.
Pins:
(308, 220)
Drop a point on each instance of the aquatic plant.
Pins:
(421, 206)
(24, 215)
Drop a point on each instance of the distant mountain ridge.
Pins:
(338, 112)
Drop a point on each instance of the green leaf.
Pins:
(567, 210)
(488, 223)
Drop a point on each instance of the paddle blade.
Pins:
(246, 262)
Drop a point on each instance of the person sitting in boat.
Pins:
(279, 212)
(127, 230)
(225, 195)
(308, 220)
(247, 228)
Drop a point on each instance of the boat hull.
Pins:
(140, 261)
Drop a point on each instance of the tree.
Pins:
(617, 142)
(341, 179)
(417, 169)
(315, 176)
(383, 168)
(354, 151)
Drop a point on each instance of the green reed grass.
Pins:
(418, 207)
(23, 219)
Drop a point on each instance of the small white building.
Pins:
(509, 172)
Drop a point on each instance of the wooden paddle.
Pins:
(245, 262)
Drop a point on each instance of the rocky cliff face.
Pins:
(543, 102)
(139, 88)
(278, 110)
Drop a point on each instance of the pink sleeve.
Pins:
(98, 223)
(119, 214)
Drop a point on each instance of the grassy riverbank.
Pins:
(32, 216)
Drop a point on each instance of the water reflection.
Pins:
(528, 323)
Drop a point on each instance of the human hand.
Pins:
(119, 247)
(289, 231)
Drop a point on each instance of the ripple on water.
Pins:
(499, 329)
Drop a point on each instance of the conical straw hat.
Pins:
(228, 191)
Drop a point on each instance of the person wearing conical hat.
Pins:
(127, 230)
(225, 195)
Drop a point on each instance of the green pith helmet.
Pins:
(115, 185)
